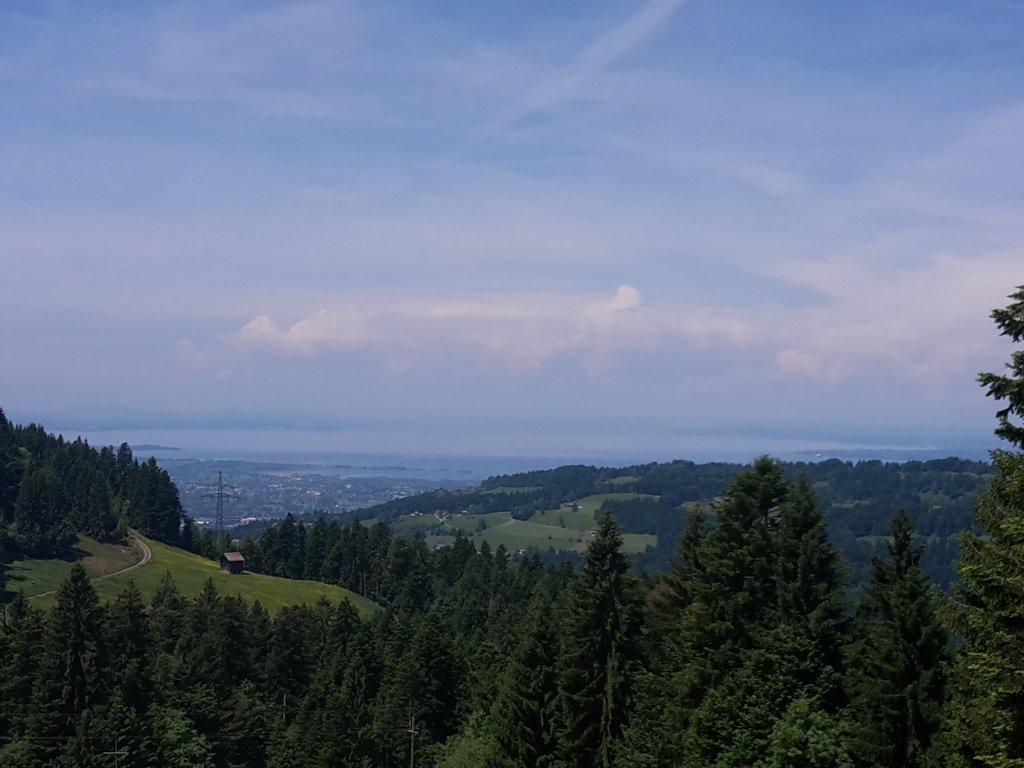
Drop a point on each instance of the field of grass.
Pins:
(565, 518)
(502, 529)
(190, 573)
(35, 576)
(564, 529)
(471, 523)
(523, 534)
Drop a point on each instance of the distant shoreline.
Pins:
(147, 447)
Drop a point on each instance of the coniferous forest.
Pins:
(751, 649)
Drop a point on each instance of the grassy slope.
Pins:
(35, 576)
(189, 571)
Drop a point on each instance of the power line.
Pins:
(220, 495)
(412, 737)
(117, 753)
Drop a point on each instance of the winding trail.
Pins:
(147, 555)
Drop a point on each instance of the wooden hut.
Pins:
(232, 562)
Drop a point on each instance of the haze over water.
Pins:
(475, 457)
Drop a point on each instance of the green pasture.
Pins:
(189, 571)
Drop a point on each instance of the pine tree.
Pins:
(39, 524)
(652, 737)
(988, 723)
(899, 660)
(316, 549)
(732, 598)
(167, 607)
(672, 594)
(1009, 387)
(74, 645)
(600, 652)
(811, 576)
(732, 726)
(525, 708)
(130, 644)
(806, 738)
(743, 673)
(22, 627)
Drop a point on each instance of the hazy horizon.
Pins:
(510, 450)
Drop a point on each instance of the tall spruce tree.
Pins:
(1009, 386)
(129, 648)
(732, 598)
(524, 714)
(790, 649)
(75, 644)
(20, 630)
(600, 652)
(811, 576)
(653, 735)
(753, 605)
(988, 709)
(899, 660)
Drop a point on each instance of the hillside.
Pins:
(109, 564)
(554, 511)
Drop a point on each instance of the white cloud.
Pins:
(337, 329)
(925, 322)
(626, 297)
(521, 332)
(600, 54)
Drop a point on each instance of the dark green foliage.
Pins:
(51, 490)
(899, 659)
(747, 620)
(39, 524)
(990, 692)
(130, 649)
(600, 652)
(810, 577)
(74, 647)
(475, 746)
(987, 712)
(20, 634)
(1009, 387)
(525, 711)
(806, 738)
(733, 724)
(733, 597)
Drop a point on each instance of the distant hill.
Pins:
(554, 510)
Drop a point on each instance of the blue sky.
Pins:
(588, 222)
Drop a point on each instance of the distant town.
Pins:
(255, 491)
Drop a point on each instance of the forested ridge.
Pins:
(52, 489)
(858, 500)
(751, 650)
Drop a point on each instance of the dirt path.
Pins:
(147, 555)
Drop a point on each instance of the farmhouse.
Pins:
(232, 562)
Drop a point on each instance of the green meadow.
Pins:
(189, 571)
